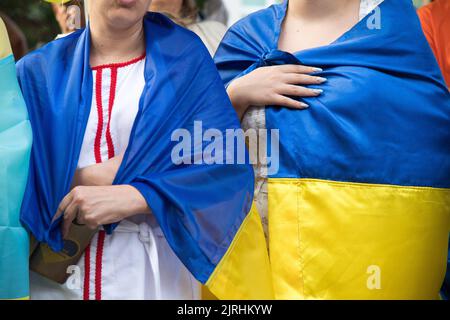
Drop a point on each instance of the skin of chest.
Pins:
(299, 34)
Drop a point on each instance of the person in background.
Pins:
(435, 19)
(215, 10)
(66, 15)
(186, 13)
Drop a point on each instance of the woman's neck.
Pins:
(319, 9)
(110, 45)
(314, 23)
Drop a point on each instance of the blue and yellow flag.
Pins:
(360, 208)
(203, 209)
(15, 146)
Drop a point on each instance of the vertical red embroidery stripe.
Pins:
(98, 99)
(98, 265)
(87, 271)
(112, 96)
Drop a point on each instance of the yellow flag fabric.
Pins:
(339, 240)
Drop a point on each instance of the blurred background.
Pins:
(32, 23)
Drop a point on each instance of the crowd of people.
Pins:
(359, 206)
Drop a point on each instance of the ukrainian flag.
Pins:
(204, 209)
(360, 208)
(15, 145)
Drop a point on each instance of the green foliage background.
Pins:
(34, 17)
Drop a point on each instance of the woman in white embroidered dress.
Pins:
(150, 269)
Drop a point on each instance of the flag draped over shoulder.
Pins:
(15, 147)
(363, 185)
(203, 210)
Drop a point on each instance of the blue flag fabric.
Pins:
(200, 207)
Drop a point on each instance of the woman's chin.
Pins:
(123, 21)
(120, 16)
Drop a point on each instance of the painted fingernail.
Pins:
(303, 105)
(317, 91)
(321, 80)
(317, 69)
